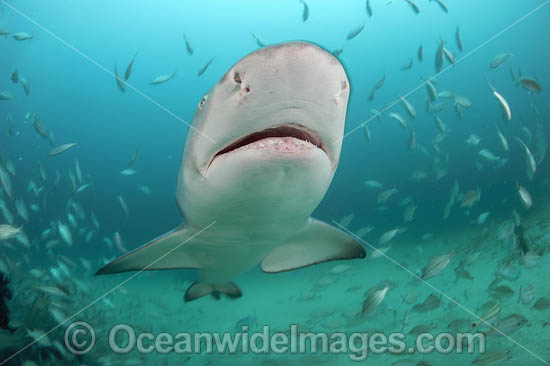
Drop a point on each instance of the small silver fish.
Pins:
(408, 106)
(373, 300)
(524, 196)
(128, 71)
(162, 79)
(60, 149)
(21, 36)
(187, 45)
(205, 67)
(499, 60)
(355, 32)
(436, 265)
(458, 39)
(8, 232)
(305, 12)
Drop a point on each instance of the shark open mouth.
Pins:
(281, 138)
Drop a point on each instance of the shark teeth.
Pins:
(282, 144)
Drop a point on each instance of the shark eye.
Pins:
(202, 102)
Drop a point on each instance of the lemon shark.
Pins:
(262, 151)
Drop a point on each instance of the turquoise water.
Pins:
(68, 65)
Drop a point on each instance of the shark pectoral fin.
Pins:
(169, 251)
(199, 289)
(317, 242)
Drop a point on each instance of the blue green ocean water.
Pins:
(456, 196)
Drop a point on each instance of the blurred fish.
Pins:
(432, 91)
(432, 302)
(470, 198)
(508, 325)
(162, 79)
(8, 232)
(413, 6)
(408, 107)
(489, 156)
(346, 220)
(493, 357)
(123, 205)
(40, 128)
(499, 60)
(436, 265)
(408, 215)
(530, 85)
(259, 41)
(507, 113)
(187, 45)
(420, 53)
(482, 217)
(39, 337)
(205, 67)
(22, 209)
(458, 39)
(379, 83)
(128, 172)
(408, 65)
(65, 233)
(305, 13)
(524, 196)
(442, 5)
(22, 36)
(385, 195)
(462, 101)
(145, 189)
(439, 57)
(6, 95)
(530, 160)
(354, 32)
(25, 84)
(473, 140)
(15, 77)
(60, 149)
(369, 8)
(4, 32)
(128, 71)
(502, 139)
(6, 182)
(399, 119)
(373, 300)
(412, 140)
(531, 259)
(366, 132)
(118, 243)
(542, 304)
(388, 236)
(373, 184)
(121, 84)
(449, 56)
(379, 252)
(337, 52)
(440, 125)
(418, 175)
(134, 156)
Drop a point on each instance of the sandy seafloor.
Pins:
(319, 300)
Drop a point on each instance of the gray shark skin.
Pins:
(277, 120)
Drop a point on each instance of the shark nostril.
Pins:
(237, 78)
(247, 89)
(343, 85)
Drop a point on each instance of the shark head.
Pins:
(262, 151)
(281, 107)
